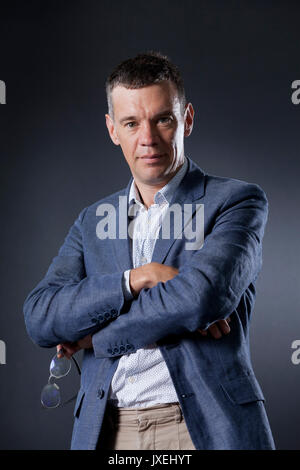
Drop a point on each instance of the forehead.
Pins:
(149, 99)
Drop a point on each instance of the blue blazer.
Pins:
(82, 293)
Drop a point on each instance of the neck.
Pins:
(148, 191)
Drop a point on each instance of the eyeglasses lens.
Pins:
(59, 367)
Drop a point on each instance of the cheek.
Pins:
(178, 137)
(128, 148)
(169, 137)
(175, 143)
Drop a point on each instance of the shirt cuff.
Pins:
(126, 285)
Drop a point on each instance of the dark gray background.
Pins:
(238, 59)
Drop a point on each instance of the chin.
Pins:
(154, 178)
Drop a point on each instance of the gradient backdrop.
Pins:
(238, 60)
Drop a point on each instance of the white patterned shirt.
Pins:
(142, 378)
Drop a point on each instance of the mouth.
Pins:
(152, 158)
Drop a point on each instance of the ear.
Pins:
(111, 129)
(188, 119)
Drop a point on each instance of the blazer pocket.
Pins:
(243, 389)
(78, 403)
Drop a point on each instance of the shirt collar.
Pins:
(165, 194)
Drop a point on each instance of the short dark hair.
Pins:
(144, 70)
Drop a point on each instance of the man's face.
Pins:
(150, 128)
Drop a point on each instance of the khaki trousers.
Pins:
(160, 427)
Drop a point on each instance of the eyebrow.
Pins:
(134, 118)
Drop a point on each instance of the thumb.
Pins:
(60, 350)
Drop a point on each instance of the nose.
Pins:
(148, 135)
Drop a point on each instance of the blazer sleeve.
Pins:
(208, 288)
(67, 304)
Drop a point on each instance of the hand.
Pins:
(217, 329)
(69, 348)
(149, 275)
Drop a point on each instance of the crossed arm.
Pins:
(146, 276)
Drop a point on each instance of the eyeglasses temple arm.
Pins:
(77, 365)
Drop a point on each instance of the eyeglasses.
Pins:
(59, 367)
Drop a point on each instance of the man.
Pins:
(162, 369)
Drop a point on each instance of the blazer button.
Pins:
(100, 318)
(116, 350)
(100, 393)
(107, 315)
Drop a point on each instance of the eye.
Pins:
(165, 120)
(130, 124)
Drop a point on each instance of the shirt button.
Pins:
(131, 380)
(144, 259)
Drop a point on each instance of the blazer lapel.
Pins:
(190, 190)
(122, 245)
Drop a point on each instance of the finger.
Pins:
(228, 319)
(64, 350)
(202, 332)
(68, 353)
(224, 327)
(215, 332)
(70, 349)
(59, 350)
